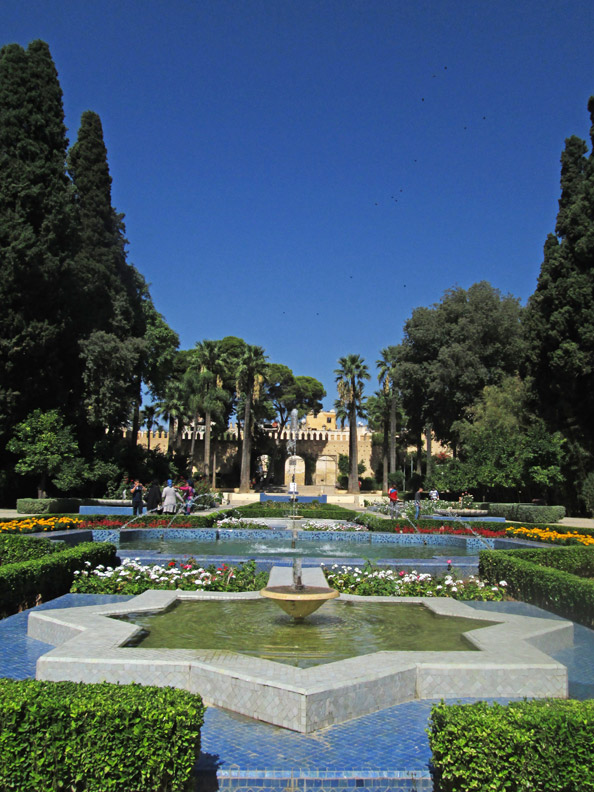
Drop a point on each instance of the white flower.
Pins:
(502, 583)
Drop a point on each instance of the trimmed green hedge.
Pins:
(559, 579)
(48, 505)
(97, 738)
(27, 583)
(543, 746)
(15, 548)
(526, 512)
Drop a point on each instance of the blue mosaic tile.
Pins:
(388, 750)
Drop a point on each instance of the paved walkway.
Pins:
(387, 751)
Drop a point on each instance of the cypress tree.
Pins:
(113, 291)
(36, 238)
(560, 314)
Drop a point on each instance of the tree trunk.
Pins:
(353, 472)
(136, 411)
(244, 479)
(385, 452)
(207, 445)
(42, 486)
(419, 455)
(193, 441)
(428, 436)
(214, 465)
(393, 433)
(171, 434)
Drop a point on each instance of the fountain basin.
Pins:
(511, 662)
(299, 604)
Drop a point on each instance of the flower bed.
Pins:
(236, 523)
(313, 525)
(40, 524)
(132, 577)
(374, 581)
(552, 536)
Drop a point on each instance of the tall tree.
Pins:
(350, 380)
(451, 351)
(560, 314)
(250, 376)
(204, 384)
(387, 379)
(113, 292)
(37, 236)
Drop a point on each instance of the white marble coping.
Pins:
(511, 661)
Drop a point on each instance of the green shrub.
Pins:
(48, 505)
(97, 738)
(25, 584)
(560, 579)
(527, 512)
(544, 746)
(16, 548)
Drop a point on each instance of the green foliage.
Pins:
(25, 584)
(560, 579)
(502, 446)
(350, 381)
(559, 317)
(97, 737)
(588, 493)
(48, 505)
(451, 351)
(543, 746)
(46, 447)
(527, 512)
(16, 549)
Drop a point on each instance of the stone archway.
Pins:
(325, 475)
(295, 465)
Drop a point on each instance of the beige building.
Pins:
(319, 445)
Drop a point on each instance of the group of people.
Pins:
(166, 500)
(394, 502)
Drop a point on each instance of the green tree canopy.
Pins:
(559, 317)
(470, 339)
(46, 447)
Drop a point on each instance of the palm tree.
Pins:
(250, 376)
(148, 418)
(378, 407)
(387, 379)
(173, 410)
(206, 395)
(350, 379)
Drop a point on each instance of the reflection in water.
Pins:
(340, 629)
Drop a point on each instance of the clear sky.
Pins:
(304, 173)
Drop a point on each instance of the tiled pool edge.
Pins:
(306, 700)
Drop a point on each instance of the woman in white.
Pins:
(169, 498)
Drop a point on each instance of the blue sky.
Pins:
(304, 174)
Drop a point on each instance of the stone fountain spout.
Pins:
(296, 597)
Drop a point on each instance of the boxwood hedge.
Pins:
(24, 584)
(542, 746)
(560, 579)
(97, 737)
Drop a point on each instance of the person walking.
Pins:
(418, 502)
(153, 497)
(169, 496)
(393, 496)
(137, 492)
